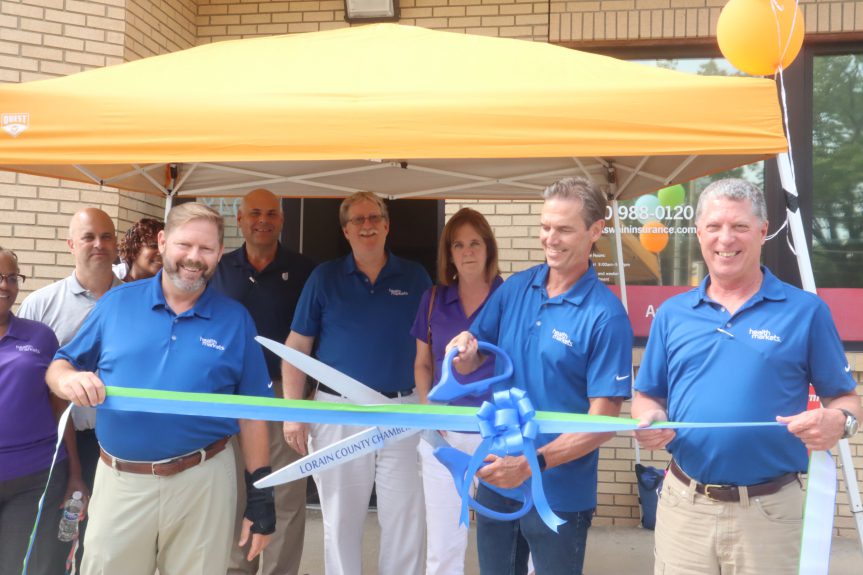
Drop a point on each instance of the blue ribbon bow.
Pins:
(508, 428)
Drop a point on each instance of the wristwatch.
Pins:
(540, 458)
(851, 424)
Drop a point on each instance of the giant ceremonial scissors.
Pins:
(352, 447)
(505, 424)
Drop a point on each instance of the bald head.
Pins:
(93, 241)
(260, 220)
(87, 217)
(260, 198)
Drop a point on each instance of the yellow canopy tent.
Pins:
(398, 110)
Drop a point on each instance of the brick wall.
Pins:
(45, 38)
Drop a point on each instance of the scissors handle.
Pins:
(448, 388)
(522, 490)
(457, 463)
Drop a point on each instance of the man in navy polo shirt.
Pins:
(165, 492)
(743, 346)
(267, 279)
(571, 345)
(356, 313)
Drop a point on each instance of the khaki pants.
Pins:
(696, 535)
(282, 556)
(180, 525)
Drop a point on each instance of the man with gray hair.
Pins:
(742, 346)
(165, 490)
(571, 345)
(355, 314)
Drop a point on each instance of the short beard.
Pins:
(185, 285)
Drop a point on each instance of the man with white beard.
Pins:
(165, 493)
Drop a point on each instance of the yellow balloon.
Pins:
(653, 236)
(757, 37)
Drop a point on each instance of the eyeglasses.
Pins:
(373, 219)
(12, 279)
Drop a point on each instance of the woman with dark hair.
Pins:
(139, 250)
(467, 274)
(28, 435)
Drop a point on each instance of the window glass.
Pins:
(837, 170)
(659, 243)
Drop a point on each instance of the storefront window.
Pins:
(837, 171)
(659, 243)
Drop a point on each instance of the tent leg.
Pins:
(795, 224)
(621, 282)
(169, 200)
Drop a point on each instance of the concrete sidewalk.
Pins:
(610, 550)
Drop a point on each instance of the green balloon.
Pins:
(672, 196)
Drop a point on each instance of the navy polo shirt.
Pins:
(363, 329)
(270, 295)
(133, 339)
(565, 350)
(713, 366)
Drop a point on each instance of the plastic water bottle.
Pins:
(71, 515)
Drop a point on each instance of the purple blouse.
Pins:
(447, 321)
(28, 428)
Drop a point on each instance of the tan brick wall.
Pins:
(42, 39)
(616, 20)
(159, 27)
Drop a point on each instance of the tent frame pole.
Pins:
(795, 224)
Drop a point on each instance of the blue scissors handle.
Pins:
(457, 463)
(448, 388)
(522, 492)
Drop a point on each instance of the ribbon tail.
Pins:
(539, 501)
(818, 515)
(476, 461)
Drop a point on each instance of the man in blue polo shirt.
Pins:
(571, 345)
(743, 346)
(356, 313)
(267, 279)
(165, 492)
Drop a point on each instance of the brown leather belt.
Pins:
(731, 493)
(167, 467)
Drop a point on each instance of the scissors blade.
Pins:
(342, 451)
(347, 386)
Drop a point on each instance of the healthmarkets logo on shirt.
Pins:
(764, 335)
(28, 349)
(212, 343)
(561, 336)
(398, 292)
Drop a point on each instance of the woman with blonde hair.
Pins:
(467, 275)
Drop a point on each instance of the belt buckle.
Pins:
(708, 487)
(162, 462)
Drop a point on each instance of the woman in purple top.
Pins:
(28, 434)
(467, 274)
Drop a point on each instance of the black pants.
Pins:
(88, 453)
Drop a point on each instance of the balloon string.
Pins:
(777, 7)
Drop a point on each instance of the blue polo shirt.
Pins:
(270, 295)
(363, 329)
(565, 350)
(713, 366)
(133, 339)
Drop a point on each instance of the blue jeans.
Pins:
(504, 545)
